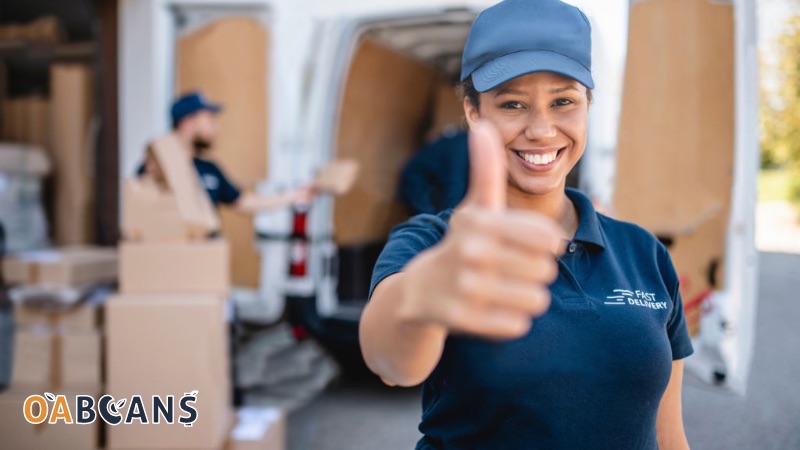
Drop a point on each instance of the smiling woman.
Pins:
(524, 312)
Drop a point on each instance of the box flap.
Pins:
(183, 181)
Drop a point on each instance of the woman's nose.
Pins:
(540, 126)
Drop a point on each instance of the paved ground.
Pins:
(355, 415)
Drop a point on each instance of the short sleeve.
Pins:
(677, 331)
(228, 193)
(406, 241)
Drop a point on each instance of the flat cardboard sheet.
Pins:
(676, 142)
(380, 129)
(228, 60)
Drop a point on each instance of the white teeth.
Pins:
(539, 160)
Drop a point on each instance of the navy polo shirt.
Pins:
(436, 177)
(592, 370)
(219, 189)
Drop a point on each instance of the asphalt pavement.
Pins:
(355, 414)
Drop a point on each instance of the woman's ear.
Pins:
(471, 113)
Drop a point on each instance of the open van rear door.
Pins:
(687, 163)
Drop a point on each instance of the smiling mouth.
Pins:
(539, 159)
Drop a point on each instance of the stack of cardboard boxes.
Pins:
(57, 343)
(167, 328)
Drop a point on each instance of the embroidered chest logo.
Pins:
(634, 298)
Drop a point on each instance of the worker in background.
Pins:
(436, 177)
(194, 121)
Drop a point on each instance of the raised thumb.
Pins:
(488, 173)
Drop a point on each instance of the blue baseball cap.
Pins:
(517, 37)
(191, 103)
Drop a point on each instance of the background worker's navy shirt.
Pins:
(436, 178)
(217, 185)
(592, 370)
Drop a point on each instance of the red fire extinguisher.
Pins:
(298, 250)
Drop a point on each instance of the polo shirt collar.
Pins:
(589, 230)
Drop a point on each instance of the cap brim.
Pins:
(506, 68)
(214, 108)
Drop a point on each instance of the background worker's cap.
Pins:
(191, 103)
(517, 37)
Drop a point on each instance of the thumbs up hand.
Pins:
(490, 274)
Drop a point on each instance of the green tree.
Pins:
(780, 112)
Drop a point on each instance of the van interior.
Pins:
(399, 94)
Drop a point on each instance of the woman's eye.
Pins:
(512, 105)
(562, 102)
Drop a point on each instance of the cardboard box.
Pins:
(18, 434)
(175, 166)
(258, 429)
(150, 213)
(229, 60)
(78, 318)
(49, 359)
(179, 267)
(170, 344)
(65, 267)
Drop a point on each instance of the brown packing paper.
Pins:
(152, 267)
(676, 142)
(72, 101)
(175, 164)
(20, 435)
(228, 60)
(169, 344)
(369, 211)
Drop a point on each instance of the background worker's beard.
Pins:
(200, 145)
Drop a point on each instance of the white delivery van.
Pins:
(373, 82)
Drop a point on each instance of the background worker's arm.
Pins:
(250, 202)
(485, 277)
